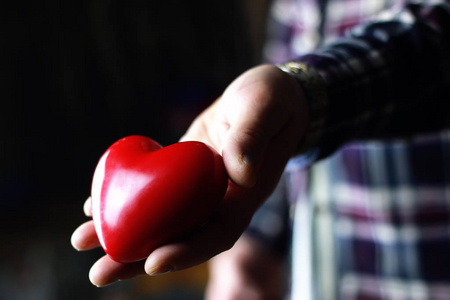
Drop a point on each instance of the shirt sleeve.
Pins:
(387, 78)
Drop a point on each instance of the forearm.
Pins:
(386, 78)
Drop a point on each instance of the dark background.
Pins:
(75, 76)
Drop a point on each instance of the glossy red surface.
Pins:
(144, 195)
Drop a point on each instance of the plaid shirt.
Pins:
(378, 183)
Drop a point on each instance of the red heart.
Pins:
(144, 195)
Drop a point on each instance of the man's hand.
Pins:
(256, 125)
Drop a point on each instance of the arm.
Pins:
(388, 78)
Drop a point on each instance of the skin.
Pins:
(256, 124)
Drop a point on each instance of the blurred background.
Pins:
(75, 77)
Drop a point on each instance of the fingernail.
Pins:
(74, 240)
(249, 164)
(158, 270)
(246, 160)
(96, 278)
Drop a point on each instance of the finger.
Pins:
(186, 254)
(255, 113)
(217, 236)
(242, 152)
(87, 207)
(85, 237)
(107, 271)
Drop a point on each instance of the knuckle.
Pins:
(254, 136)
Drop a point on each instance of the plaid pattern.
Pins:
(295, 25)
(390, 206)
(388, 199)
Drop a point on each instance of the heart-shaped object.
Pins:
(144, 195)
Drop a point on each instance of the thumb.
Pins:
(253, 119)
(242, 152)
(259, 107)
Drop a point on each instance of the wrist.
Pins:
(315, 92)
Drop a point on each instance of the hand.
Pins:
(256, 124)
(248, 271)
